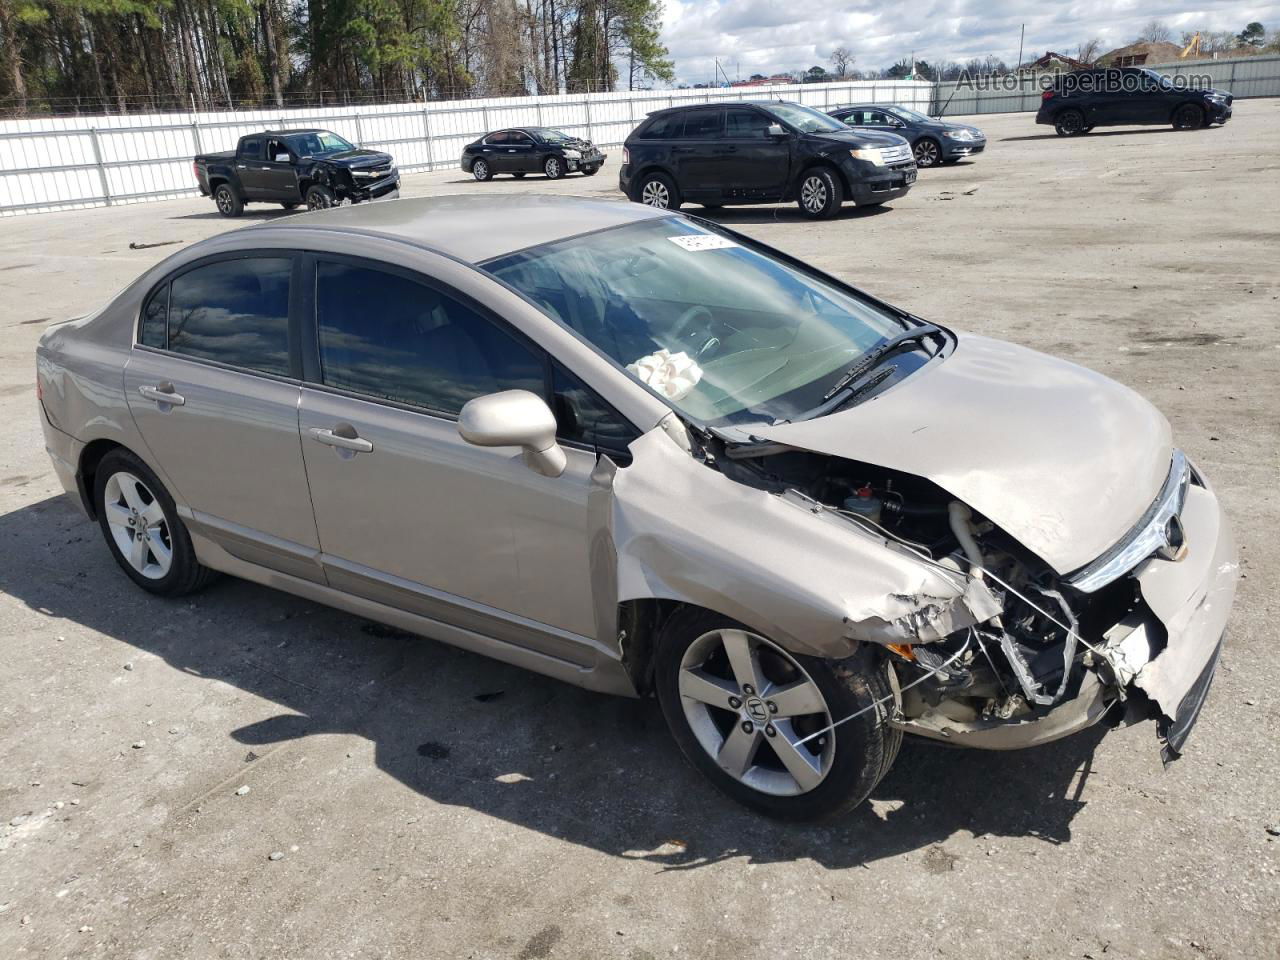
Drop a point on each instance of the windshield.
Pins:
(806, 119)
(547, 135)
(1161, 80)
(318, 144)
(724, 331)
(906, 114)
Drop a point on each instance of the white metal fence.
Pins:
(1244, 77)
(72, 162)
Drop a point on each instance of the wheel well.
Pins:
(825, 165)
(637, 178)
(1189, 103)
(216, 182)
(640, 623)
(86, 473)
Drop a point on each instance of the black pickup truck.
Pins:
(290, 167)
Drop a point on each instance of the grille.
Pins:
(899, 154)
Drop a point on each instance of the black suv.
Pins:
(522, 150)
(1079, 101)
(932, 141)
(761, 152)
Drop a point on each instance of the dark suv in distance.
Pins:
(761, 152)
(521, 150)
(1083, 99)
(932, 141)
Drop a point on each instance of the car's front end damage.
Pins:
(1026, 578)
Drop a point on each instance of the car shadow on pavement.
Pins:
(249, 213)
(778, 214)
(1127, 132)
(466, 731)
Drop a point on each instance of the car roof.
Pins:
(473, 228)
(286, 133)
(723, 103)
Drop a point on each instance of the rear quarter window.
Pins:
(151, 331)
(662, 127)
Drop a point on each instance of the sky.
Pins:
(778, 36)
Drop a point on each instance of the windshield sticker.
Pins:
(702, 241)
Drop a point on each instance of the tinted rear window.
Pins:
(235, 312)
(702, 124)
(664, 127)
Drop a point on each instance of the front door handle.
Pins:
(343, 436)
(163, 393)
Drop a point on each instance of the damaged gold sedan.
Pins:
(644, 454)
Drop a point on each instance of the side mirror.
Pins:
(776, 130)
(896, 123)
(282, 158)
(515, 418)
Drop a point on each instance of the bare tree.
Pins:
(841, 58)
(1156, 31)
(1087, 52)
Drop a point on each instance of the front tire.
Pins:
(142, 528)
(553, 167)
(228, 200)
(1188, 117)
(820, 194)
(659, 191)
(928, 153)
(1070, 123)
(320, 197)
(739, 707)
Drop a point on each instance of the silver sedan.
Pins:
(644, 454)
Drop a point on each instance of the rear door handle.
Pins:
(332, 438)
(163, 393)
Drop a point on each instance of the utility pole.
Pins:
(1021, 38)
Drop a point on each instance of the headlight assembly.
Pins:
(869, 154)
(958, 134)
(573, 154)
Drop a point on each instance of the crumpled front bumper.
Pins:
(1187, 605)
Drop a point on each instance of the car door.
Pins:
(699, 171)
(408, 513)
(213, 386)
(755, 165)
(279, 172)
(521, 152)
(251, 170)
(494, 149)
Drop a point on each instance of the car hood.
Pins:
(862, 138)
(574, 144)
(358, 158)
(1062, 459)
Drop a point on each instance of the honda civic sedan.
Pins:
(644, 454)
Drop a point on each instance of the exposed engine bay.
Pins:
(1044, 639)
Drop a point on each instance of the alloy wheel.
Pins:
(224, 200)
(655, 194)
(317, 201)
(138, 525)
(480, 170)
(813, 194)
(926, 153)
(553, 167)
(749, 703)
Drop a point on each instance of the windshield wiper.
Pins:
(869, 360)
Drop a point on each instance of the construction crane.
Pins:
(1192, 47)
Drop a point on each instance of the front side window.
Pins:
(385, 335)
(235, 312)
(583, 416)
(740, 123)
(761, 339)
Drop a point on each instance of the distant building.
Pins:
(1141, 54)
(1054, 63)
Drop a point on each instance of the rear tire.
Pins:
(820, 194)
(1070, 123)
(143, 531)
(481, 170)
(1188, 117)
(519, 175)
(289, 206)
(844, 764)
(590, 171)
(659, 191)
(228, 200)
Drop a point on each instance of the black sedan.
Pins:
(521, 150)
(933, 141)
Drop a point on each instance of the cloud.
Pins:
(773, 36)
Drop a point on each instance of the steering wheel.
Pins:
(687, 319)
